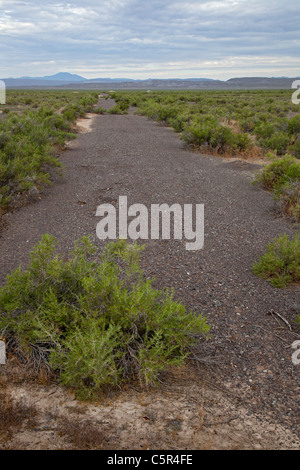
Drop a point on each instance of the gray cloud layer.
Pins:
(140, 39)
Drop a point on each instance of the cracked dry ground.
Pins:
(247, 395)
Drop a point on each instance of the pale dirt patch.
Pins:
(84, 125)
(81, 126)
(181, 414)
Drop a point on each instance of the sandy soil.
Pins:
(183, 414)
(247, 396)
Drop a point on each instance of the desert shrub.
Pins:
(166, 112)
(290, 199)
(28, 139)
(281, 262)
(96, 322)
(264, 130)
(242, 141)
(72, 112)
(221, 137)
(279, 173)
(278, 141)
(247, 125)
(57, 121)
(178, 122)
(295, 148)
(294, 125)
(25, 153)
(117, 110)
(282, 177)
(159, 111)
(99, 110)
(209, 133)
(123, 104)
(196, 134)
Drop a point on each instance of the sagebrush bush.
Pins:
(96, 321)
(279, 172)
(290, 199)
(279, 142)
(209, 132)
(29, 138)
(294, 125)
(281, 262)
(282, 177)
(294, 148)
(117, 110)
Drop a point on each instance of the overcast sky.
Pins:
(150, 38)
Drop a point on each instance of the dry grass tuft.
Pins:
(14, 415)
(83, 435)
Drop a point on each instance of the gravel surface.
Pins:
(135, 157)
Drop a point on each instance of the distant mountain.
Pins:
(72, 81)
(66, 80)
(59, 77)
(261, 82)
(65, 77)
(112, 80)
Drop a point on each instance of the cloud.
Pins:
(138, 37)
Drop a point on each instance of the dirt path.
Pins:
(251, 351)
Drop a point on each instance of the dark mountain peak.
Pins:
(65, 77)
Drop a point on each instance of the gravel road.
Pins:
(132, 156)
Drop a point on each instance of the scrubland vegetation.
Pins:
(264, 124)
(224, 121)
(281, 262)
(231, 123)
(33, 126)
(95, 322)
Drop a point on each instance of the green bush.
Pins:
(290, 199)
(279, 173)
(294, 125)
(209, 132)
(281, 262)
(95, 321)
(178, 122)
(118, 110)
(242, 141)
(99, 110)
(264, 130)
(28, 138)
(282, 177)
(279, 142)
(295, 148)
(247, 125)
